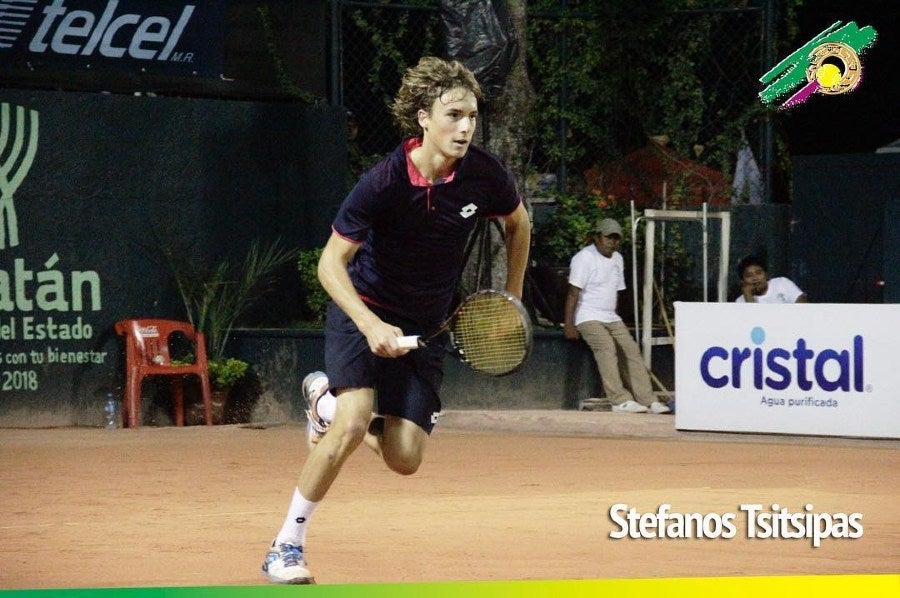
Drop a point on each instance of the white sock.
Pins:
(326, 406)
(293, 531)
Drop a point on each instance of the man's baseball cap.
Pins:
(608, 226)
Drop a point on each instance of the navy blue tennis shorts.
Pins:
(407, 387)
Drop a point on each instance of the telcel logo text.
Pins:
(777, 368)
(73, 32)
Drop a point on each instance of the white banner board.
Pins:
(817, 369)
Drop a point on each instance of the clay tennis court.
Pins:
(501, 496)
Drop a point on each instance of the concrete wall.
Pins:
(558, 375)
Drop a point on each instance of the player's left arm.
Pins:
(518, 243)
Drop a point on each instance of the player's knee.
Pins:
(349, 432)
(354, 431)
(402, 462)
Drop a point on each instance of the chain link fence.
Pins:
(378, 43)
(604, 81)
(607, 81)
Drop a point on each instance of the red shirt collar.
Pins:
(415, 177)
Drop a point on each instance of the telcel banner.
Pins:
(182, 37)
(818, 369)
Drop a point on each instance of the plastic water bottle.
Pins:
(111, 412)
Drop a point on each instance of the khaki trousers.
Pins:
(618, 358)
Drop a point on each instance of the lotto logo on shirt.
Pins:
(468, 210)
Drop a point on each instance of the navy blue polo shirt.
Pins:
(413, 234)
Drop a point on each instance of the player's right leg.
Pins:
(285, 561)
(351, 368)
(351, 420)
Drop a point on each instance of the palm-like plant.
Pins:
(216, 297)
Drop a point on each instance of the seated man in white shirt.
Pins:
(757, 287)
(596, 276)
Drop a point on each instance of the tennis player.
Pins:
(391, 266)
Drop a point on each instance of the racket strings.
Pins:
(491, 334)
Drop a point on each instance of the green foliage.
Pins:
(315, 297)
(225, 373)
(215, 296)
(599, 56)
(568, 229)
(610, 73)
(284, 79)
(607, 74)
(390, 32)
(359, 164)
(187, 359)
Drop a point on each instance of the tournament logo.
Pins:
(828, 64)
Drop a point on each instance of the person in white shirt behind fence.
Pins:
(757, 287)
(596, 275)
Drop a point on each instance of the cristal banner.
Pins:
(819, 369)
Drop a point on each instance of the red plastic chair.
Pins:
(147, 354)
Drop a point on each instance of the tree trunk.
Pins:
(508, 113)
(507, 123)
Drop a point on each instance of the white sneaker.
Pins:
(285, 564)
(314, 386)
(659, 407)
(629, 407)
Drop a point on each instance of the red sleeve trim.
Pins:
(348, 239)
(369, 300)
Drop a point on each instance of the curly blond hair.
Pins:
(423, 84)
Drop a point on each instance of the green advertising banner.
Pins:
(94, 187)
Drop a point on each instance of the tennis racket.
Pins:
(490, 332)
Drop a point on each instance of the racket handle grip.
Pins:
(408, 342)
